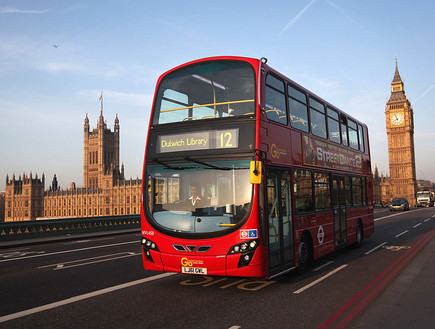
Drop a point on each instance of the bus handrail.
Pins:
(207, 105)
(208, 116)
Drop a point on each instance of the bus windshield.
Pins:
(198, 197)
(207, 90)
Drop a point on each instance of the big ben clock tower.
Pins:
(400, 131)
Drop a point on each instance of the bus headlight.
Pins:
(246, 251)
(244, 246)
(148, 245)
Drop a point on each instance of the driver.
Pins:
(195, 200)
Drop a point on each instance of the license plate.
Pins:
(194, 270)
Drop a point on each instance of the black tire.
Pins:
(359, 235)
(305, 253)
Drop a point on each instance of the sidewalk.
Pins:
(410, 300)
(67, 237)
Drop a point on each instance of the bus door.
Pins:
(279, 220)
(339, 208)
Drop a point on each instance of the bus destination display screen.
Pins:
(196, 141)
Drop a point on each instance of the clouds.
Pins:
(294, 20)
(424, 94)
(116, 97)
(297, 17)
(12, 10)
(342, 11)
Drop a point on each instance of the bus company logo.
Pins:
(248, 234)
(320, 234)
(189, 262)
(277, 152)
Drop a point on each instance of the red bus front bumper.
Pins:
(224, 265)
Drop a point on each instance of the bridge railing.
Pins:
(54, 227)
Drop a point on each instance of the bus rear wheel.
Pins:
(359, 235)
(305, 253)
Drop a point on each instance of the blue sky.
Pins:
(343, 50)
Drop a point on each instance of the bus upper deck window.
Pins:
(208, 90)
(276, 109)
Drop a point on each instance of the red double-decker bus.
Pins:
(247, 173)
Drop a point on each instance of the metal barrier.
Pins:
(52, 227)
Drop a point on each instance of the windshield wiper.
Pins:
(210, 165)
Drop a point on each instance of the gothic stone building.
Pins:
(105, 192)
(399, 117)
(24, 197)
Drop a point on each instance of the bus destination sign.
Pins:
(196, 141)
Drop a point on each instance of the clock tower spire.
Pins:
(400, 132)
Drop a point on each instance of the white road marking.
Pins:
(319, 279)
(91, 260)
(417, 225)
(81, 297)
(404, 232)
(375, 248)
(69, 251)
(401, 213)
(322, 266)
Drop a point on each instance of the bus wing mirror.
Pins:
(255, 172)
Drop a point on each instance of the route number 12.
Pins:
(227, 138)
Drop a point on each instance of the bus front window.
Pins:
(205, 91)
(199, 198)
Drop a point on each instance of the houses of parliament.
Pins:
(105, 190)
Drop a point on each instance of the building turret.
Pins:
(54, 183)
(86, 126)
(116, 127)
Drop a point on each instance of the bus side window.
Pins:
(303, 190)
(361, 138)
(333, 126)
(318, 120)
(353, 135)
(347, 192)
(276, 109)
(298, 109)
(322, 191)
(356, 191)
(343, 126)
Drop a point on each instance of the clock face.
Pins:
(397, 118)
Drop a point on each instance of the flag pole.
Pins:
(101, 101)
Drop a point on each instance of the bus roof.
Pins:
(255, 63)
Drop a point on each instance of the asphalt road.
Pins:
(100, 283)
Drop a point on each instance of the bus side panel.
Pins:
(296, 139)
(321, 230)
(322, 234)
(352, 214)
(363, 214)
(368, 223)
